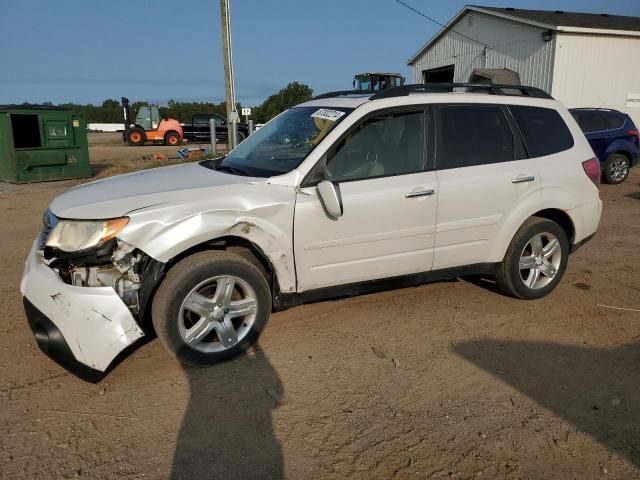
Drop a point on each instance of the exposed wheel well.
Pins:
(625, 153)
(561, 218)
(237, 245)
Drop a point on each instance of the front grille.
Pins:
(50, 221)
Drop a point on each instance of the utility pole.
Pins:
(230, 93)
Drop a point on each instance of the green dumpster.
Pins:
(39, 143)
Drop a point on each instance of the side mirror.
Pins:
(330, 198)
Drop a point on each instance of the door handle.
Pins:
(528, 178)
(421, 193)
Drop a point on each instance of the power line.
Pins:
(438, 23)
(437, 4)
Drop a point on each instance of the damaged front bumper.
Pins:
(81, 328)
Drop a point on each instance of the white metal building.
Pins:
(583, 60)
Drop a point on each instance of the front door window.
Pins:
(386, 145)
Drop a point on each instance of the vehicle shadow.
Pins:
(634, 195)
(595, 389)
(486, 282)
(227, 430)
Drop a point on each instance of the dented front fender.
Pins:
(260, 213)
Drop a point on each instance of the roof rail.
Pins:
(342, 93)
(492, 89)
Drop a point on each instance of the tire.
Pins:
(550, 263)
(136, 137)
(172, 139)
(616, 168)
(241, 137)
(206, 273)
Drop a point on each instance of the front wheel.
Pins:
(136, 137)
(535, 260)
(616, 168)
(172, 139)
(211, 307)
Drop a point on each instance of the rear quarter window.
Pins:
(543, 129)
(614, 122)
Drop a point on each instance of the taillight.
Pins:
(635, 133)
(592, 169)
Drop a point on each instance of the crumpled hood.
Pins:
(116, 196)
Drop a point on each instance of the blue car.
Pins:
(614, 139)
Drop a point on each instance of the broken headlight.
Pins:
(77, 235)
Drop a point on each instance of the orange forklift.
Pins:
(148, 127)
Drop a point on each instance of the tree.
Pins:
(110, 111)
(291, 95)
(111, 103)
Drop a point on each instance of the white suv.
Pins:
(343, 194)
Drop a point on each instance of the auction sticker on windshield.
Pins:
(327, 114)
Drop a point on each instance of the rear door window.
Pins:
(591, 122)
(543, 129)
(201, 118)
(469, 135)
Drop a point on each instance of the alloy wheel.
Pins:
(217, 314)
(618, 169)
(540, 260)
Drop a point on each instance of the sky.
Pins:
(86, 51)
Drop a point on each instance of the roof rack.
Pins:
(342, 93)
(491, 89)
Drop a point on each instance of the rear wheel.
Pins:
(211, 307)
(172, 139)
(241, 137)
(616, 168)
(136, 137)
(535, 260)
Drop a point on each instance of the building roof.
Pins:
(558, 20)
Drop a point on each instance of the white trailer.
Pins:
(105, 127)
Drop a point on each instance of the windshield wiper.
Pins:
(233, 170)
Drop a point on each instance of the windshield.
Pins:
(377, 82)
(283, 143)
(363, 82)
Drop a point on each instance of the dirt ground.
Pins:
(446, 380)
(110, 156)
